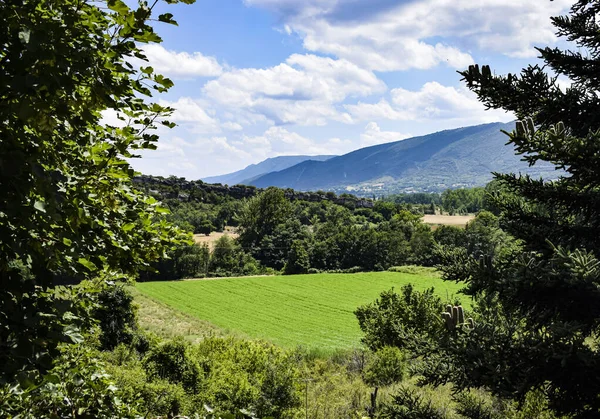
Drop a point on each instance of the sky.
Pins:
(262, 78)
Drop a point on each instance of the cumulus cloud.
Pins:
(371, 46)
(388, 35)
(278, 141)
(432, 102)
(373, 135)
(232, 126)
(380, 110)
(192, 114)
(181, 64)
(435, 101)
(193, 158)
(301, 91)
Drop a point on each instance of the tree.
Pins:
(68, 210)
(205, 227)
(537, 311)
(262, 213)
(298, 261)
(226, 256)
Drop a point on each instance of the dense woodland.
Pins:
(309, 232)
(75, 229)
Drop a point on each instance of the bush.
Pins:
(174, 361)
(77, 383)
(115, 313)
(249, 375)
(399, 319)
(408, 404)
(385, 367)
(157, 397)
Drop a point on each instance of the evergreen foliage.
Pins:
(536, 292)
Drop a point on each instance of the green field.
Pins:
(315, 311)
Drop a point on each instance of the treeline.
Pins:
(279, 234)
(451, 201)
(202, 208)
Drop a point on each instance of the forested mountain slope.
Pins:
(434, 162)
(269, 165)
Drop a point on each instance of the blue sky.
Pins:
(261, 78)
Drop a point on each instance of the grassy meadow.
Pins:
(315, 311)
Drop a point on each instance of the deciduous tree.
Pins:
(68, 209)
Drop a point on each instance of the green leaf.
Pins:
(167, 18)
(128, 226)
(40, 206)
(72, 332)
(88, 264)
(67, 242)
(147, 70)
(25, 36)
(118, 6)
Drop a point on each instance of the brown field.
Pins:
(214, 236)
(452, 220)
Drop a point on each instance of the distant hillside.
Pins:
(274, 164)
(461, 157)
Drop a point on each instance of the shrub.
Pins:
(396, 319)
(77, 384)
(115, 313)
(408, 404)
(249, 375)
(157, 397)
(385, 367)
(174, 361)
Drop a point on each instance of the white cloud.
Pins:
(192, 114)
(111, 117)
(193, 159)
(432, 102)
(181, 64)
(380, 110)
(371, 47)
(374, 135)
(232, 126)
(303, 90)
(278, 141)
(435, 101)
(563, 83)
(387, 35)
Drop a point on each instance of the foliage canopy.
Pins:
(537, 311)
(68, 209)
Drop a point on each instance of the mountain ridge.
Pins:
(253, 171)
(462, 157)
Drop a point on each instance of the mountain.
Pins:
(434, 162)
(253, 171)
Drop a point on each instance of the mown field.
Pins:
(451, 220)
(315, 311)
